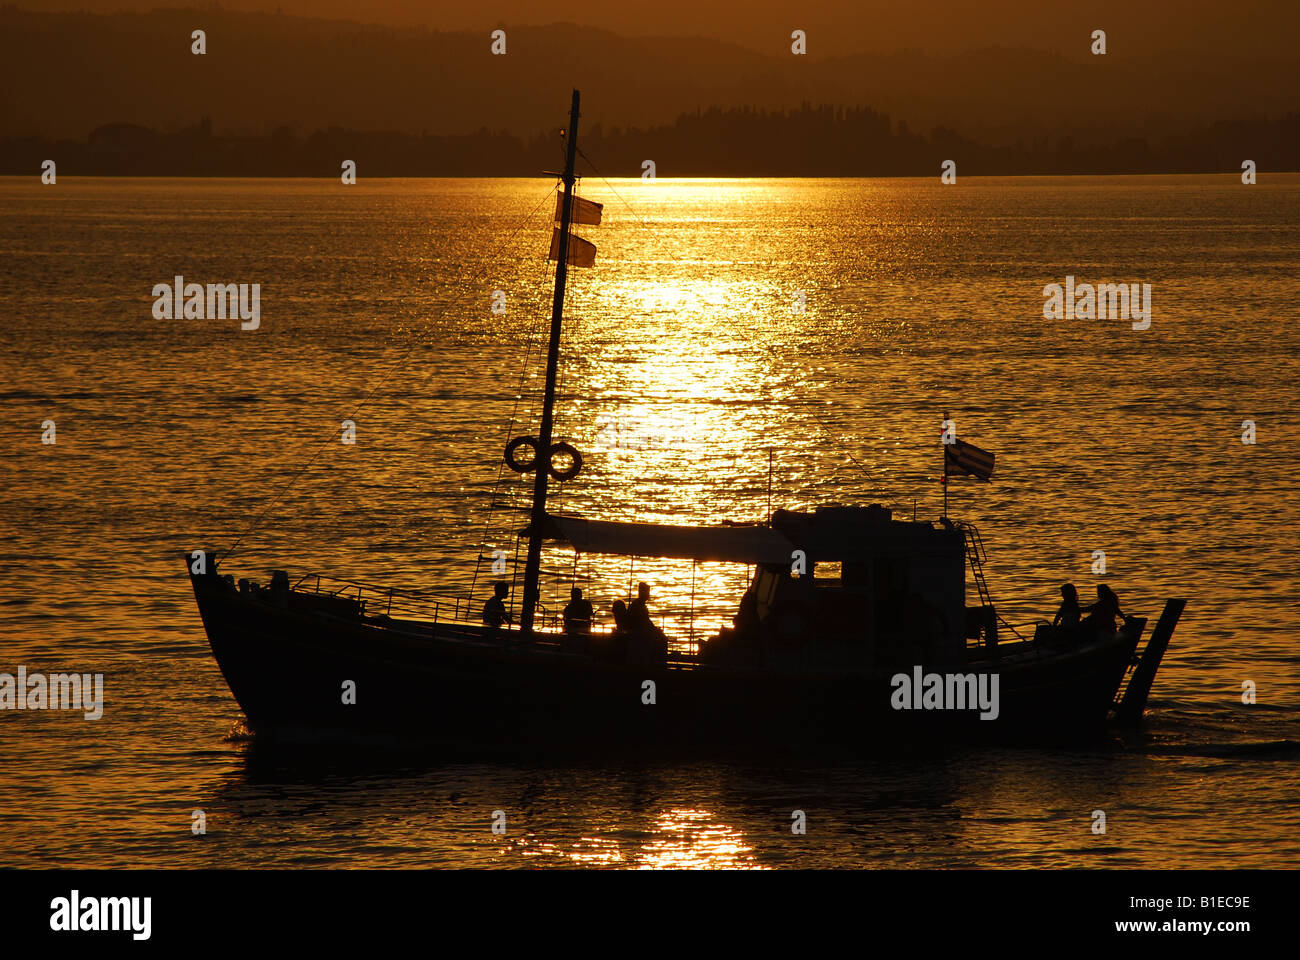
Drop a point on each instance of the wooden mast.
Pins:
(532, 567)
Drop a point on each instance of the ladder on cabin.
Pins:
(975, 553)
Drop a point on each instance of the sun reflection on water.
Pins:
(679, 838)
(691, 838)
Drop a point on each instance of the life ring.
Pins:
(514, 445)
(574, 456)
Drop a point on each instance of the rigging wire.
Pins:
(534, 341)
(539, 334)
(357, 409)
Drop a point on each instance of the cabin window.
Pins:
(828, 572)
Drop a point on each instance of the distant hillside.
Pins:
(64, 74)
(1201, 29)
(809, 141)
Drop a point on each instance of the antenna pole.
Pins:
(769, 486)
(943, 446)
(536, 528)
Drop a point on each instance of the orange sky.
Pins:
(1201, 28)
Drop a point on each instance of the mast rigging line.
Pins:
(605, 181)
(566, 145)
(541, 477)
(537, 337)
(364, 400)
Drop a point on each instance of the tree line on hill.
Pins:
(810, 141)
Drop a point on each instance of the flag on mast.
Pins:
(960, 457)
(581, 253)
(586, 212)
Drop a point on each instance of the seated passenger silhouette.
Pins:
(746, 618)
(1067, 616)
(577, 615)
(647, 642)
(619, 612)
(1102, 614)
(1112, 599)
(638, 611)
(612, 646)
(494, 611)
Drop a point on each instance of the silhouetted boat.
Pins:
(886, 652)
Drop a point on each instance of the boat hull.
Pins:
(302, 675)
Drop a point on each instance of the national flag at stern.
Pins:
(961, 457)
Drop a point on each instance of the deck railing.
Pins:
(394, 601)
(685, 627)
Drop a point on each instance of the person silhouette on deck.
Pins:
(611, 646)
(638, 611)
(746, 619)
(494, 611)
(578, 613)
(1067, 616)
(1102, 614)
(619, 612)
(649, 641)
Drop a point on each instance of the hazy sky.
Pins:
(982, 69)
(1200, 28)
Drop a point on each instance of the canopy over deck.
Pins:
(731, 544)
(846, 533)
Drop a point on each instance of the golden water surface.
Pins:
(819, 329)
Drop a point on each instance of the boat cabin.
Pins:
(838, 587)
